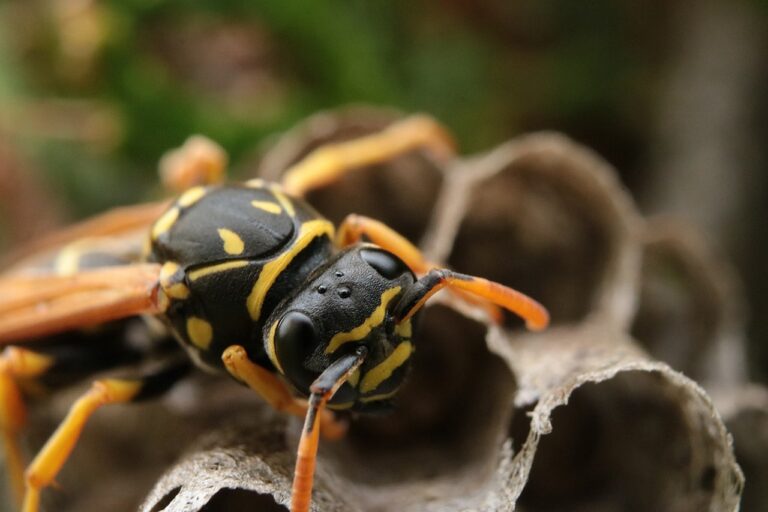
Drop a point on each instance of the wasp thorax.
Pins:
(347, 303)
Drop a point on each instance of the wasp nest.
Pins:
(591, 414)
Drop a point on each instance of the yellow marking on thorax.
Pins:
(308, 232)
(267, 206)
(233, 244)
(214, 269)
(172, 287)
(164, 223)
(362, 330)
(272, 349)
(384, 369)
(200, 332)
(191, 196)
(283, 200)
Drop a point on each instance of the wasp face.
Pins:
(345, 304)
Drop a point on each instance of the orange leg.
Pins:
(329, 162)
(354, 227)
(322, 390)
(56, 451)
(16, 363)
(276, 392)
(534, 314)
(199, 161)
(51, 458)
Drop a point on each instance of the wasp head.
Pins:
(347, 303)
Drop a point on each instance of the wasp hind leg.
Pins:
(276, 392)
(16, 364)
(331, 161)
(51, 458)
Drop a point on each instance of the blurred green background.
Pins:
(670, 92)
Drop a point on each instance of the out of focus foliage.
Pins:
(96, 91)
(93, 92)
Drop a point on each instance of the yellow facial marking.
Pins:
(233, 244)
(164, 223)
(376, 398)
(267, 206)
(272, 350)
(384, 369)
(200, 332)
(191, 196)
(308, 232)
(283, 200)
(172, 285)
(362, 330)
(213, 269)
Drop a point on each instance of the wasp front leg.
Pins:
(276, 392)
(51, 458)
(331, 161)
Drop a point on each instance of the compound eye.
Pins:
(296, 339)
(386, 264)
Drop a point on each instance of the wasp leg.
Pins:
(322, 390)
(276, 392)
(329, 162)
(354, 227)
(49, 461)
(415, 296)
(199, 161)
(16, 364)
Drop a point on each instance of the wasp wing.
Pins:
(123, 222)
(38, 305)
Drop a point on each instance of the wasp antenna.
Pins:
(535, 315)
(323, 389)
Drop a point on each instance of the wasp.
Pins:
(251, 281)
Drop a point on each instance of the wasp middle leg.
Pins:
(276, 392)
